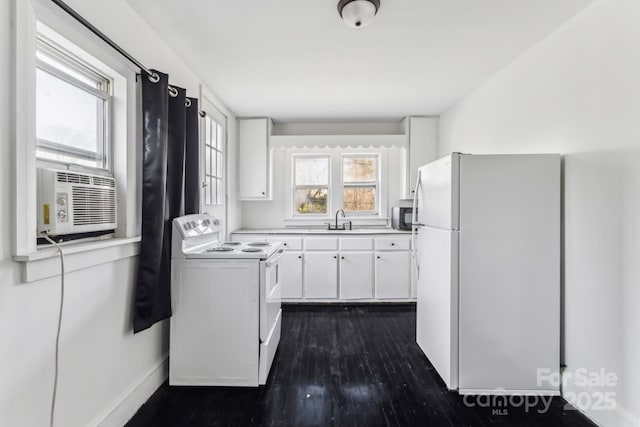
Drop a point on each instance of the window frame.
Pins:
(33, 17)
(211, 107)
(219, 176)
(335, 199)
(368, 184)
(295, 186)
(105, 114)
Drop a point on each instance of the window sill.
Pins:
(45, 262)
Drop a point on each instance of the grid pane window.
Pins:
(213, 187)
(311, 184)
(360, 183)
(72, 109)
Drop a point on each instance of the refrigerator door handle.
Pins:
(414, 225)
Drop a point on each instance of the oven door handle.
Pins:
(274, 259)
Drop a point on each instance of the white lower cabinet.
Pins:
(324, 268)
(321, 275)
(356, 275)
(393, 275)
(291, 270)
(291, 266)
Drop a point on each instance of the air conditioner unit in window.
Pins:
(73, 202)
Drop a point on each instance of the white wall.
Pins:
(578, 93)
(271, 214)
(101, 361)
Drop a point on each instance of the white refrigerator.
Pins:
(487, 258)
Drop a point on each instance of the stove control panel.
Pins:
(197, 225)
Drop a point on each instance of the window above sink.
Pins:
(325, 181)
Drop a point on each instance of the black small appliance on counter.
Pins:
(401, 217)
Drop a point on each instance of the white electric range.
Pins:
(226, 305)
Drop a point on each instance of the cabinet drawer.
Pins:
(315, 244)
(356, 244)
(392, 243)
(290, 243)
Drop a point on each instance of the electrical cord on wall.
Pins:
(55, 376)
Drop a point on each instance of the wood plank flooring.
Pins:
(344, 365)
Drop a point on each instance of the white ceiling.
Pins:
(295, 59)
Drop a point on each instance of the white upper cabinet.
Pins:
(254, 162)
(423, 139)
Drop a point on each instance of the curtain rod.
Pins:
(101, 35)
(88, 25)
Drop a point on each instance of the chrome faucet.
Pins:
(337, 212)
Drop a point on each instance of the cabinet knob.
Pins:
(393, 244)
(263, 193)
(342, 257)
(335, 256)
(413, 191)
(378, 257)
(299, 256)
(285, 244)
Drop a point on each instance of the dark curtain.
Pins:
(192, 160)
(164, 138)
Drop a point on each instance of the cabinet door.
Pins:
(393, 274)
(422, 147)
(356, 275)
(320, 275)
(253, 159)
(291, 271)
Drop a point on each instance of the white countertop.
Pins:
(320, 231)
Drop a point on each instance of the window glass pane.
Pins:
(356, 169)
(311, 200)
(218, 171)
(219, 191)
(68, 118)
(312, 170)
(207, 131)
(214, 161)
(358, 199)
(207, 160)
(216, 189)
(212, 189)
(95, 83)
(219, 138)
(214, 134)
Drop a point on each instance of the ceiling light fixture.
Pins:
(358, 13)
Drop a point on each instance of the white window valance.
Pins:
(285, 142)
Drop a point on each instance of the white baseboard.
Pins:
(618, 417)
(627, 419)
(138, 396)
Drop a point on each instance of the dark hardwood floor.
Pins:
(345, 365)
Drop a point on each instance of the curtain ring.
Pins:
(187, 102)
(154, 77)
(173, 91)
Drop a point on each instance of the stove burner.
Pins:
(259, 244)
(252, 250)
(231, 243)
(219, 249)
